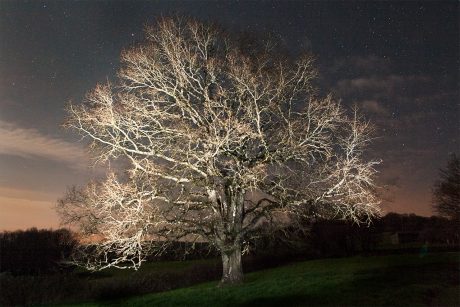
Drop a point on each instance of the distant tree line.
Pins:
(395, 231)
(35, 251)
(326, 238)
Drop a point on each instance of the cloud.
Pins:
(416, 123)
(374, 107)
(24, 213)
(26, 194)
(25, 208)
(386, 85)
(391, 180)
(31, 143)
(8, 103)
(362, 65)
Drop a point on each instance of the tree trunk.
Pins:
(232, 269)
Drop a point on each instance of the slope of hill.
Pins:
(397, 280)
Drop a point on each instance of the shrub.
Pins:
(35, 251)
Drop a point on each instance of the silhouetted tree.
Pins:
(220, 138)
(446, 192)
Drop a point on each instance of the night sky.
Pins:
(398, 61)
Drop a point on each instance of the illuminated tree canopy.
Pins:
(219, 137)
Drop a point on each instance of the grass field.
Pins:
(397, 280)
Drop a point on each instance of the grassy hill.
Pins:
(396, 280)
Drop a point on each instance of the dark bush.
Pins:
(341, 238)
(35, 251)
(26, 290)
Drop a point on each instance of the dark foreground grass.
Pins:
(397, 280)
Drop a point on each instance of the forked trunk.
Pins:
(232, 270)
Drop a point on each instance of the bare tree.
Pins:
(221, 137)
(446, 192)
